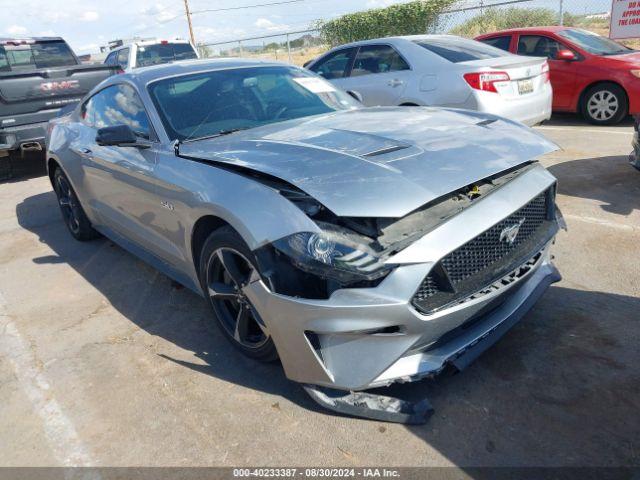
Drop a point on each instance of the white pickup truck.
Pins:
(144, 53)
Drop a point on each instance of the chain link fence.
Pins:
(467, 18)
(294, 47)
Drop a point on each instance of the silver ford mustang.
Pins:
(360, 246)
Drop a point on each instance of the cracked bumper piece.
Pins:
(369, 405)
(365, 338)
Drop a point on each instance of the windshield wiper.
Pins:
(221, 133)
(618, 52)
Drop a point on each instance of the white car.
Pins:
(441, 70)
(150, 52)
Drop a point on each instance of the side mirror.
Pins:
(119, 136)
(356, 95)
(566, 55)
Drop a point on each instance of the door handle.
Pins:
(395, 82)
(86, 151)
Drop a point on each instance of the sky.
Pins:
(88, 24)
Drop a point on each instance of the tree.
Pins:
(411, 18)
(501, 19)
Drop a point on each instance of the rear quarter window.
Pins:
(457, 50)
(503, 43)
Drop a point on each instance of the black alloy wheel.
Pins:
(72, 213)
(227, 270)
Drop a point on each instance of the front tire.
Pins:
(73, 214)
(226, 266)
(605, 104)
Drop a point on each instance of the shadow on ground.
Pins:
(610, 180)
(153, 302)
(576, 120)
(559, 389)
(16, 168)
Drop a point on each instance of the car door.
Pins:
(120, 180)
(379, 73)
(563, 73)
(335, 66)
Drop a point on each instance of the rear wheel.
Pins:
(605, 104)
(226, 266)
(74, 217)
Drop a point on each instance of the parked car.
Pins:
(361, 246)
(635, 156)
(440, 70)
(38, 76)
(150, 52)
(590, 74)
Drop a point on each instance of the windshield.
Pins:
(163, 53)
(210, 103)
(457, 50)
(594, 43)
(35, 55)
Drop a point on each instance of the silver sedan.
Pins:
(441, 70)
(360, 246)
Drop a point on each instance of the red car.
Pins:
(590, 74)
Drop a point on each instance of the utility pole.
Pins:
(561, 13)
(186, 9)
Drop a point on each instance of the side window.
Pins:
(111, 58)
(503, 43)
(4, 62)
(538, 46)
(377, 59)
(334, 65)
(117, 105)
(123, 58)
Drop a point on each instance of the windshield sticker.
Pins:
(314, 85)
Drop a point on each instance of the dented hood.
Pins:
(378, 162)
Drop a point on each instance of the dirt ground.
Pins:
(104, 361)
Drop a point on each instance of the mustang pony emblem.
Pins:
(509, 234)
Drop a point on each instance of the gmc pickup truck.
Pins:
(38, 77)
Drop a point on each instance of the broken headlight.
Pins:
(334, 256)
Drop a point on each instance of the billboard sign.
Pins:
(625, 19)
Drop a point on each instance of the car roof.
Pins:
(145, 75)
(395, 38)
(153, 41)
(30, 39)
(549, 29)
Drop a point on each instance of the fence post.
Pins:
(288, 48)
(240, 47)
(561, 13)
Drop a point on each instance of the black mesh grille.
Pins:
(487, 257)
(428, 287)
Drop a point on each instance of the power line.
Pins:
(246, 6)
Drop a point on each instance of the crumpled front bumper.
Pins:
(361, 338)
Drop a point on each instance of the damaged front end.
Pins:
(354, 252)
(426, 236)
(378, 301)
